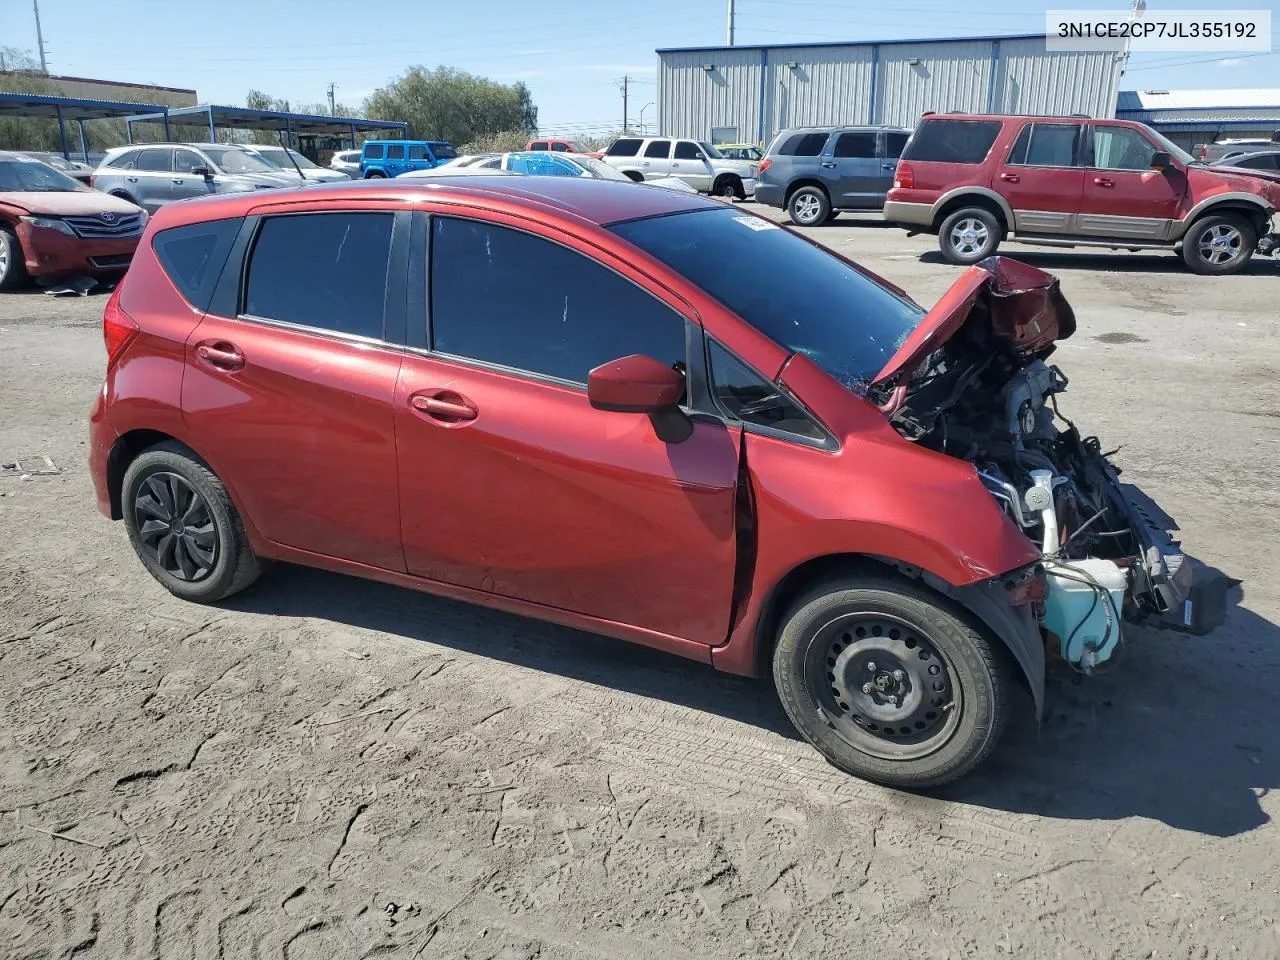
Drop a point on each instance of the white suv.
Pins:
(698, 164)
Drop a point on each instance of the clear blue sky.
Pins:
(569, 52)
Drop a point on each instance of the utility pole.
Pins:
(44, 63)
(332, 108)
(731, 23)
(625, 84)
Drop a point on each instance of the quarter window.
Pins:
(193, 256)
(660, 149)
(1047, 145)
(506, 297)
(862, 145)
(326, 270)
(1121, 148)
(953, 141)
(538, 145)
(125, 161)
(624, 147)
(373, 151)
(747, 396)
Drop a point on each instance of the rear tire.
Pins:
(13, 264)
(184, 527)
(889, 683)
(969, 235)
(1219, 244)
(375, 175)
(808, 206)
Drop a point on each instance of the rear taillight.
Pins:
(118, 328)
(904, 177)
(765, 164)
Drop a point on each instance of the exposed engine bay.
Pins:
(988, 395)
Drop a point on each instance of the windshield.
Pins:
(443, 151)
(277, 156)
(26, 174)
(1171, 148)
(711, 151)
(238, 161)
(793, 291)
(599, 169)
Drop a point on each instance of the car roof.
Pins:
(602, 202)
(847, 126)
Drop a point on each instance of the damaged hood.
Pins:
(1026, 307)
(68, 203)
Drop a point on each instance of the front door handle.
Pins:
(220, 354)
(829, 165)
(888, 166)
(132, 179)
(1104, 182)
(178, 180)
(1010, 177)
(444, 406)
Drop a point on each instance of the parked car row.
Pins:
(540, 163)
(978, 180)
(695, 162)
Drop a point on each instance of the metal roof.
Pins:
(1237, 98)
(850, 43)
(72, 108)
(246, 118)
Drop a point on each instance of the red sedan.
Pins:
(637, 412)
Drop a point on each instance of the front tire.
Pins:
(969, 235)
(184, 527)
(889, 683)
(1219, 244)
(730, 188)
(13, 265)
(809, 206)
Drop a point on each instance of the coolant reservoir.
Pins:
(1071, 613)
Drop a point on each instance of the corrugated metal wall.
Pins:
(875, 83)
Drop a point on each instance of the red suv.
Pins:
(1068, 181)
(595, 403)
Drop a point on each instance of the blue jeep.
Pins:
(390, 158)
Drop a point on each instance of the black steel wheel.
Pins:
(890, 682)
(184, 527)
(176, 525)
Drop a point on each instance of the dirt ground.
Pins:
(327, 768)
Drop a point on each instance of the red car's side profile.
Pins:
(549, 396)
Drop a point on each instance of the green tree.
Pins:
(449, 104)
(22, 75)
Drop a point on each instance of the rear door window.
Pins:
(325, 270)
(193, 256)
(505, 297)
(893, 144)
(856, 145)
(395, 152)
(803, 145)
(154, 160)
(625, 147)
(953, 141)
(1047, 145)
(658, 149)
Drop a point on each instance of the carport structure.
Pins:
(64, 109)
(288, 125)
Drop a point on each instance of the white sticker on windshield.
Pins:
(756, 223)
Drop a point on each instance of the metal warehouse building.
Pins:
(1188, 117)
(747, 94)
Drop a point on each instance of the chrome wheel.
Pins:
(1220, 244)
(969, 236)
(176, 526)
(807, 208)
(887, 690)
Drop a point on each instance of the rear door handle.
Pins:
(220, 354)
(1104, 181)
(1010, 177)
(829, 165)
(888, 166)
(444, 406)
(132, 179)
(178, 180)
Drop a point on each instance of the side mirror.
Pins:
(201, 172)
(640, 384)
(1160, 160)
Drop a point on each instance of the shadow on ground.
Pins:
(1158, 262)
(1183, 730)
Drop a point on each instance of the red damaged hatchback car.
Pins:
(595, 403)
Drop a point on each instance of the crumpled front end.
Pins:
(974, 383)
